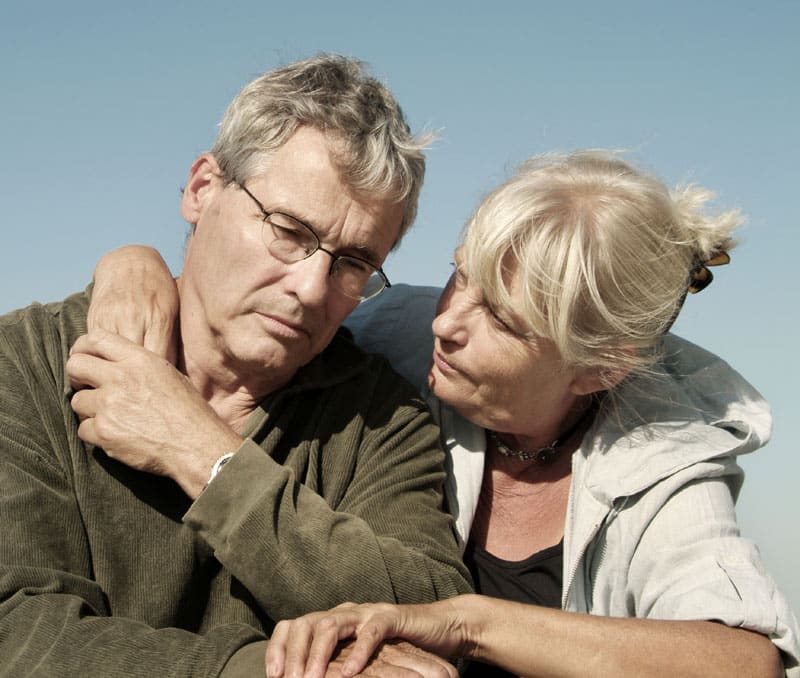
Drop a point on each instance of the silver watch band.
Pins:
(217, 467)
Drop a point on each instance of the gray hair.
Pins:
(602, 253)
(377, 154)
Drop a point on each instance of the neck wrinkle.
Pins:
(232, 398)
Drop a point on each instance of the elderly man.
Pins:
(278, 469)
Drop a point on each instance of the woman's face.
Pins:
(489, 372)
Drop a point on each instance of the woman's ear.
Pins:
(205, 178)
(589, 381)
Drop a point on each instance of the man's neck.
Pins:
(233, 391)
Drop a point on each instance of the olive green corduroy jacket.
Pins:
(107, 571)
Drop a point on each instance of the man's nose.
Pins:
(310, 280)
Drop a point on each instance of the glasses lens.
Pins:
(356, 278)
(290, 241)
(287, 239)
(375, 285)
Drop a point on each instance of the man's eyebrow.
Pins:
(364, 252)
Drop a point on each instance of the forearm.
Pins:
(525, 640)
(295, 553)
(534, 641)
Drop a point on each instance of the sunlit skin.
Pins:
(249, 321)
(492, 371)
(496, 378)
(500, 378)
(488, 372)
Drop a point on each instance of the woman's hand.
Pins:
(523, 639)
(135, 296)
(304, 646)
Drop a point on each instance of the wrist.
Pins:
(202, 469)
(467, 615)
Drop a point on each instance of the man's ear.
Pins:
(205, 178)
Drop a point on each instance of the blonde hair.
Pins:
(601, 252)
(377, 155)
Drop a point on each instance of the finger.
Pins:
(87, 432)
(116, 324)
(403, 654)
(297, 642)
(84, 403)
(328, 632)
(86, 370)
(94, 427)
(106, 345)
(378, 668)
(275, 657)
(369, 636)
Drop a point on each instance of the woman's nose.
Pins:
(451, 314)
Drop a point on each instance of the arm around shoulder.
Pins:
(135, 295)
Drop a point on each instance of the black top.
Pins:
(536, 580)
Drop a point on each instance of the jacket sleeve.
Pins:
(55, 620)
(692, 563)
(368, 525)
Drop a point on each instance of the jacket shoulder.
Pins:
(43, 330)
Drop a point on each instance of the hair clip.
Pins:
(701, 277)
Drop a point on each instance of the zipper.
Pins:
(617, 506)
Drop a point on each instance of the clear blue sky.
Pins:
(106, 104)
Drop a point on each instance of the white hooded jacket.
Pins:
(651, 528)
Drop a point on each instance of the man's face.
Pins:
(248, 309)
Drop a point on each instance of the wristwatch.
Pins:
(217, 467)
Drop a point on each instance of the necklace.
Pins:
(541, 455)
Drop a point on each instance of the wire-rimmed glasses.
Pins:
(289, 240)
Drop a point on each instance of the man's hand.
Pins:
(145, 413)
(135, 296)
(392, 659)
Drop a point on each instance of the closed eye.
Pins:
(356, 265)
(286, 228)
(500, 323)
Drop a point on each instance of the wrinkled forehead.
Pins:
(494, 272)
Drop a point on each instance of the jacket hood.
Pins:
(692, 407)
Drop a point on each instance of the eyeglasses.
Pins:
(290, 240)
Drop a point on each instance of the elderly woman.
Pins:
(592, 455)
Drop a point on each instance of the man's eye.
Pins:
(285, 229)
(355, 266)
